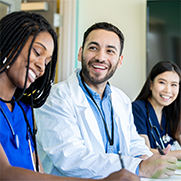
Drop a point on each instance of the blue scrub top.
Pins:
(143, 126)
(17, 157)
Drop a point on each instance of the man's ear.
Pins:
(80, 54)
(120, 61)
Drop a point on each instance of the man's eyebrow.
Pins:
(108, 46)
(41, 45)
(93, 42)
(111, 46)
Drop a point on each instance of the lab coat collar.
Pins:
(76, 90)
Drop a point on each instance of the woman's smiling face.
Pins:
(165, 88)
(40, 55)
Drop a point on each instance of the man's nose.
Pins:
(101, 55)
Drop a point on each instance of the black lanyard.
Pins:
(111, 140)
(32, 134)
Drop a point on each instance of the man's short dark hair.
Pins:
(105, 26)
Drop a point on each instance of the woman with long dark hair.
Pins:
(157, 109)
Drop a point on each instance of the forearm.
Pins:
(8, 172)
(175, 153)
(154, 150)
(12, 173)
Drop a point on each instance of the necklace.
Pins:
(111, 140)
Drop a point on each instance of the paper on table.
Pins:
(176, 177)
(172, 178)
(178, 171)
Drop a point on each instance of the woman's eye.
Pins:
(162, 82)
(174, 85)
(36, 52)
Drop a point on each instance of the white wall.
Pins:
(130, 17)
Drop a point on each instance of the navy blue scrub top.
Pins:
(143, 126)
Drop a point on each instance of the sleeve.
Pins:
(137, 146)
(139, 119)
(137, 143)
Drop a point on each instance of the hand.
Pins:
(167, 149)
(122, 175)
(144, 157)
(158, 166)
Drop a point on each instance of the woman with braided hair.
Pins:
(28, 55)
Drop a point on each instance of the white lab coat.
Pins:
(69, 140)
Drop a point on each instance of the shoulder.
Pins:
(65, 88)
(71, 81)
(65, 92)
(139, 107)
(139, 103)
(28, 112)
(119, 95)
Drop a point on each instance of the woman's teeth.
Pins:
(32, 74)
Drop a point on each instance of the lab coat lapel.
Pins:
(82, 103)
(121, 120)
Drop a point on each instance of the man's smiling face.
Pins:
(100, 56)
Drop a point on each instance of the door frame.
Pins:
(13, 5)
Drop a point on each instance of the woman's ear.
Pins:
(120, 61)
(80, 54)
(151, 84)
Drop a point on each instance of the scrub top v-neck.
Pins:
(143, 126)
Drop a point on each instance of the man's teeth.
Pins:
(165, 97)
(32, 74)
(99, 67)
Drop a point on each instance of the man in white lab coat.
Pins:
(86, 121)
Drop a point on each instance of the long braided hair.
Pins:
(15, 30)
